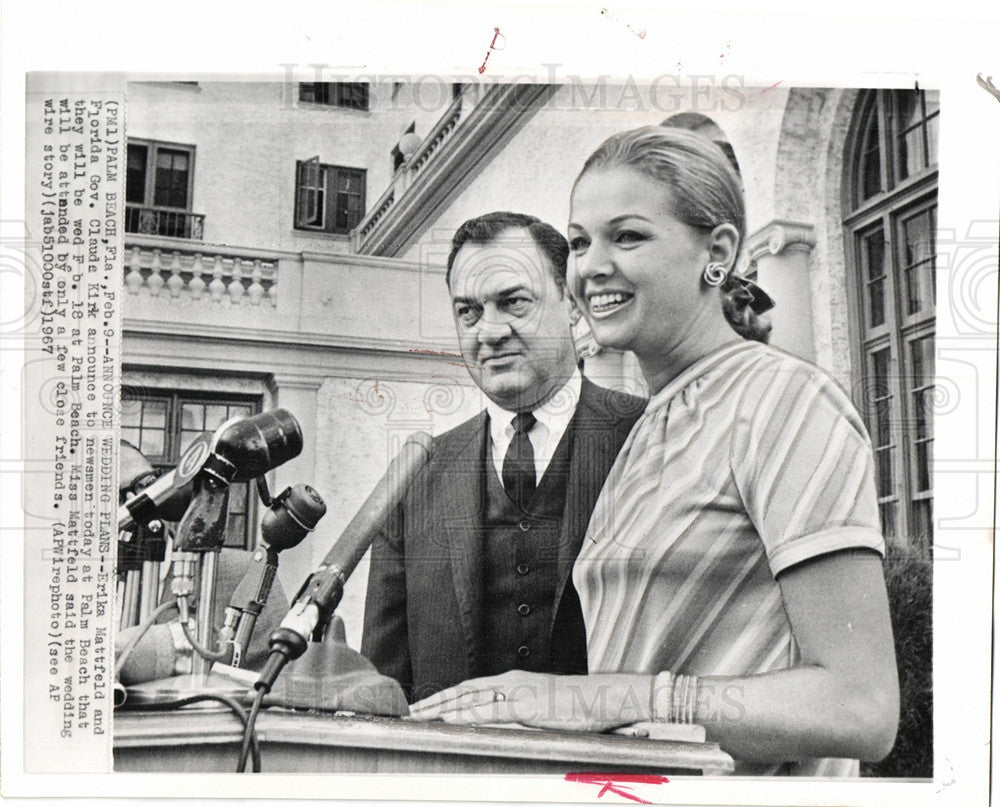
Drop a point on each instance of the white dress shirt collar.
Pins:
(552, 419)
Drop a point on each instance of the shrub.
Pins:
(908, 582)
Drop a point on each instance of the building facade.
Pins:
(286, 245)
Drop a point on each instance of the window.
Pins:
(159, 181)
(890, 222)
(328, 198)
(348, 95)
(163, 424)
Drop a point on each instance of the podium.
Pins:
(291, 741)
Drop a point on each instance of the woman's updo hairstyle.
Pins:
(705, 192)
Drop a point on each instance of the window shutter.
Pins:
(307, 191)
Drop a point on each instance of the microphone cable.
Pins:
(250, 742)
(143, 627)
(250, 746)
(204, 652)
(249, 735)
(222, 654)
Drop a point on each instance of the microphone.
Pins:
(142, 546)
(320, 594)
(239, 450)
(246, 448)
(168, 497)
(293, 513)
(164, 500)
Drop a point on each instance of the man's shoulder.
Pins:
(610, 404)
(459, 436)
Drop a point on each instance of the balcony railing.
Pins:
(219, 275)
(477, 125)
(148, 220)
(412, 168)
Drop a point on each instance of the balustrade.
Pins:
(213, 277)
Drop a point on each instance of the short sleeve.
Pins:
(803, 465)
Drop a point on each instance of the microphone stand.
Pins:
(196, 552)
(153, 544)
(241, 449)
(129, 574)
(317, 599)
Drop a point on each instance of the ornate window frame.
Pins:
(889, 218)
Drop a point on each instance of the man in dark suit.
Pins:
(471, 576)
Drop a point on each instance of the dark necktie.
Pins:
(519, 462)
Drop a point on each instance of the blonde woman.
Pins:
(731, 574)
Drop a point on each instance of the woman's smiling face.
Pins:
(634, 269)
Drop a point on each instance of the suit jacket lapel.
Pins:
(458, 522)
(598, 434)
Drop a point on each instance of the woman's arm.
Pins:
(841, 700)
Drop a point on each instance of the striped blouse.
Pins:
(747, 463)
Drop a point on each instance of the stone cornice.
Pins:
(167, 246)
(780, 235)
(288, 371)
(370, 261)
(248, 337)
(286, 381)
(184, 245)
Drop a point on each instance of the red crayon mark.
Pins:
(618, 783)
(496, 33)
(641, 32)
(765, 90)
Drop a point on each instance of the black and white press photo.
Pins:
(520, 431)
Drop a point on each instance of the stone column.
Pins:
(780, 255)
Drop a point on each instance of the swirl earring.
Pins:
(714, 274)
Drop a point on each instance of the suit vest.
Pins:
(522, 628)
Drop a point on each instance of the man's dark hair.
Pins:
(489, 227)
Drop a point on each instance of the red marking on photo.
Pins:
(618, 783)
(493, 47)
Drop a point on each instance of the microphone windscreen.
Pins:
(154, 657)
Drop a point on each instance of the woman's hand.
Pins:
(569, 702)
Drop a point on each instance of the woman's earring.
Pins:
(714, 274)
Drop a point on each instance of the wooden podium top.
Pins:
(207, 740)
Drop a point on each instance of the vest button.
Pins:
(524, 609)
(523, 568)
(525, 525)
(523, 651)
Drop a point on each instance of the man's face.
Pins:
(513, 322)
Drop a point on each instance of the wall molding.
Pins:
(299, 364)
(780, 235)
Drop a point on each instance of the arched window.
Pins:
(889, 221)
